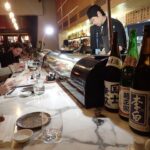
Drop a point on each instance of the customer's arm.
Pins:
(5, 71)
(16, 67)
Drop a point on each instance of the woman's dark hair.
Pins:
(92, 11)
(17, 45)
(65, 43)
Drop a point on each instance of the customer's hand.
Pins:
(7, 86)
(10, 82)
(4, 89)
(17, 67)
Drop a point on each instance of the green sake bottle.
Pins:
(127, 72)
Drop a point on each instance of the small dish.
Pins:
(23, 135)
(25, 93)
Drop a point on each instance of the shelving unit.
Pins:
(79, 38)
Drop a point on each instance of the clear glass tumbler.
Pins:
(39, 87)
(52, 132)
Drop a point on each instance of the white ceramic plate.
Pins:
(23, 135)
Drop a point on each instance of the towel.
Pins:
(7, 128)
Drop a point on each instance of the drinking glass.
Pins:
(39, 87)
(36, 74)
(52, 132)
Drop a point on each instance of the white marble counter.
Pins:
(81, 129)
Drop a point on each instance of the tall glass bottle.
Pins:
(139, 106)
(129, 65)
(112, 77)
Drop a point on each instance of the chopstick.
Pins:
(11, 91)
(22, 86)
(14, 87)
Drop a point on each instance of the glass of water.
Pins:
(39, 87)
(52, 132)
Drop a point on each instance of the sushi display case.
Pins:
(83, 76)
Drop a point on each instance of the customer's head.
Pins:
(17, 49)
(96, 15)
(85, 42)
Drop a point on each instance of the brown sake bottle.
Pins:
(112, 77)
(139, 104)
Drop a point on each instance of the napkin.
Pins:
(7, 128)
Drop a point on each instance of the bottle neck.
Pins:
(145, 50)
(114, 47)
(114, 58)
(144, 60)
(132, 54)
(132, 49)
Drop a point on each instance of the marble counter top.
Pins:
(82, 130)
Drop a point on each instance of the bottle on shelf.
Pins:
(139, 105)
(112, 77)
(127, 72)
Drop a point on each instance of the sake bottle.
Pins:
(112, 77)
(127, 71)
(139, 105)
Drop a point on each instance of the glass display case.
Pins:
(84, 76)
(62, 64)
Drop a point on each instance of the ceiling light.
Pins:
(49, 30)
(13, 20)
(11, 15)
(7, 6)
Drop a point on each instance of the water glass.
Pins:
(52, 132)
(39, 87)
(36, 74)
(97, 51)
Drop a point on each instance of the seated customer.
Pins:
(85, 48)
(11, 56)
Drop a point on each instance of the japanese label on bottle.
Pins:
(139, 117)
(114, 61)
(111, 94)
(124, 95)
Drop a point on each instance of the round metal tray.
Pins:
(33, 120)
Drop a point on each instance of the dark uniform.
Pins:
(102, 32)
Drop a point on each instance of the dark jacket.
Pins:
(116, 26)
(7, 59)
(99, 35)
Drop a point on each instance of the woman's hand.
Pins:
(4, 89)
(7, 86)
